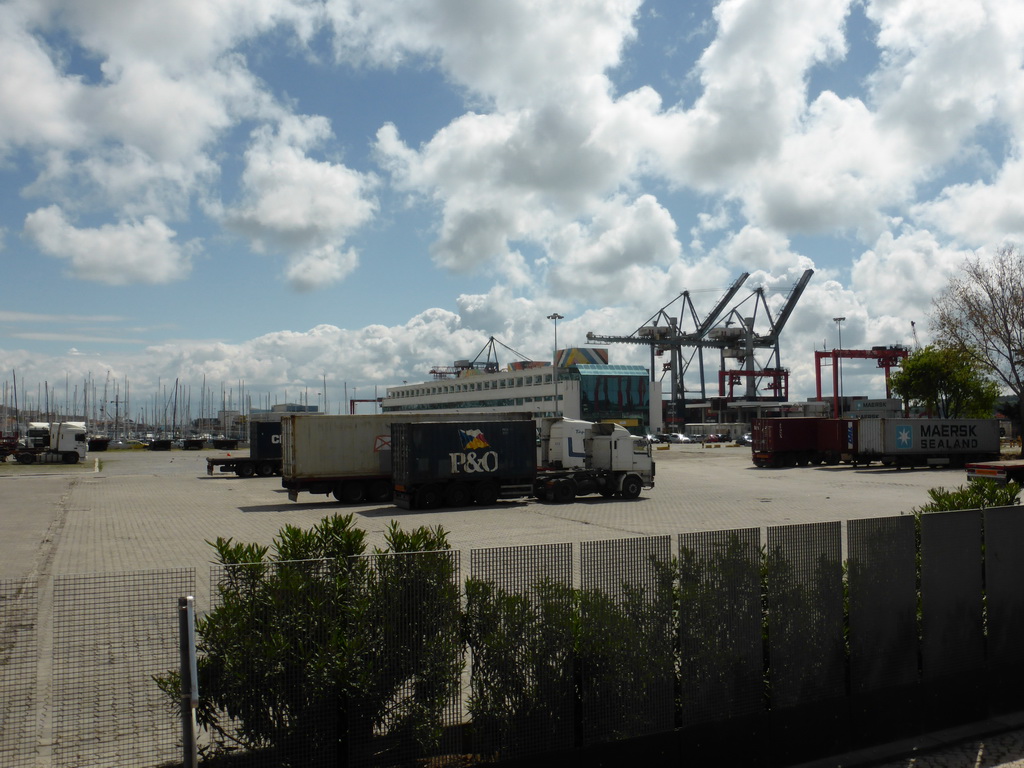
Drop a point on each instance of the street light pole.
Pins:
(555, 317)
(839, 323)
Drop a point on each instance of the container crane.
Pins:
(662, 334)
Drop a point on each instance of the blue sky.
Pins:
(283, 191)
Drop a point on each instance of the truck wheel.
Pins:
(351, 492)
(69, 457)
(26, 458)
(265, 469)
(631, 487)
(245, 470)
(563, 492)
(457, 495)
(428, 497)
(485, 493)
(379, 490)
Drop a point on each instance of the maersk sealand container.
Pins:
(920, 442)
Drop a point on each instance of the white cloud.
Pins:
(37, 103)
(946, 69)
(130, 252)
(297, 203)
(902, 274)
(980, 213)
(512, 52)
(320, 268)
(180, 34)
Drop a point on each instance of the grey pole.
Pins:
(839, 322)
(189, 686)
(556, 317)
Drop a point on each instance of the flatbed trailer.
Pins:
(264, 459)
(1002, 472)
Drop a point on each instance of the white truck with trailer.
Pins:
(349, 456)
(474, 461)
(577, 458)
(45, 442)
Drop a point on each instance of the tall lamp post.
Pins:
(839, 323)
(555, 317)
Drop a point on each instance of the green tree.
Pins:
(946, 382)
(982, 313)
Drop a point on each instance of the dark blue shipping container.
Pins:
(265, 440)
(445, 452)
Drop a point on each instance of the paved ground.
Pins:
(131, 510)
(125, 510)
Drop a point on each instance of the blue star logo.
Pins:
(904, 437)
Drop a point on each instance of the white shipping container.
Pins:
(320, 450)
(939, 437)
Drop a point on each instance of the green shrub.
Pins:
(289, 659)
(978, 494)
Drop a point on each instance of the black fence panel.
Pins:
(883, 603)
(408, 703)
(807, 659)
(883, 633)
(806, 653)
(1004, 596)
(624, 661)
(112, 633)
(952, 632)
(19, 603)
(721, 649)
(519, 627)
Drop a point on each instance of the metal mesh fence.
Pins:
(519, 616)
(112, 633)
(883, 603)
(361, 661)
(273, 663)
(408, 701)
(19, 600)
(721, 652)
(625, 664)
(807, 660)
(951, 594)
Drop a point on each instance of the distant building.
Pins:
(586, 388)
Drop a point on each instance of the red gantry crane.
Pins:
(886, 358)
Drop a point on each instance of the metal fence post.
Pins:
(189, 683)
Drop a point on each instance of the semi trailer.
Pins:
(466, 462)
(264, 459)
(1001, 471)
(787, 442)
(349, 456)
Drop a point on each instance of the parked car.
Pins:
(745, 439)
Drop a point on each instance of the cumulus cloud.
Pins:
(979, 213)
(904, 271)
(130, 252)
(512, 53)
(320, 267)
(297, 203)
